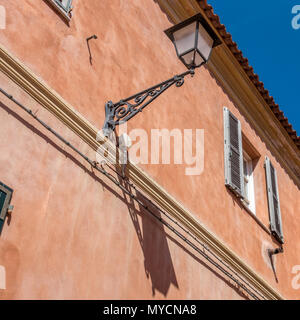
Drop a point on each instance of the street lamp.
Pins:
(194, 40)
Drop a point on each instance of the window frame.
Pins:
(252, 155)
(63, 11)
(3, 211)
(67, 8)
(249, 188)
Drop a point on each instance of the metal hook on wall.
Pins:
(272, 252)
(88, 45)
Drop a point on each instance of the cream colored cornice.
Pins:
(236, 83)
(50, 100)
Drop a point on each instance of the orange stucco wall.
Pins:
(73, 234)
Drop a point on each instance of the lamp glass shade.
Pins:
(193, 40)
(198, 59)
(184, 39)
(205, 42)
(189, 58)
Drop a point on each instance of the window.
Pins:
(273, 201)
(249, 196)
(5, 198)
(240, 161)
(66, 5)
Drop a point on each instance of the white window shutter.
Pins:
(273, 201)
(234, 168)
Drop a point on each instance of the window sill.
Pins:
(241, 203)
(255, 218)
(59, 10)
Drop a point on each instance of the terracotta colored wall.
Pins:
(72, 235)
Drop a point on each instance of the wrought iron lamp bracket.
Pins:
(124, 110)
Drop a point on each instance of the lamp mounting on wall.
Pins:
(194, 40)
(88, 45)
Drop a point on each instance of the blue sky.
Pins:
(263, 31)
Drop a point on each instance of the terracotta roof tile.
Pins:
(249, 70)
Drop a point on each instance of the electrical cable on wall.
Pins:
(245, 285)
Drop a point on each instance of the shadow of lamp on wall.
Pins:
(158, 264)
(194, 40)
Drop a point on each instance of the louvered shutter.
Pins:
(5, 198)
(273, 201)
(2, 201)
(234, 171)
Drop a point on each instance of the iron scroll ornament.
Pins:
(124, 110)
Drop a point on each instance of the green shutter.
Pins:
(273, 201)
(5, 197)
(234, 169)
(2, 201)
